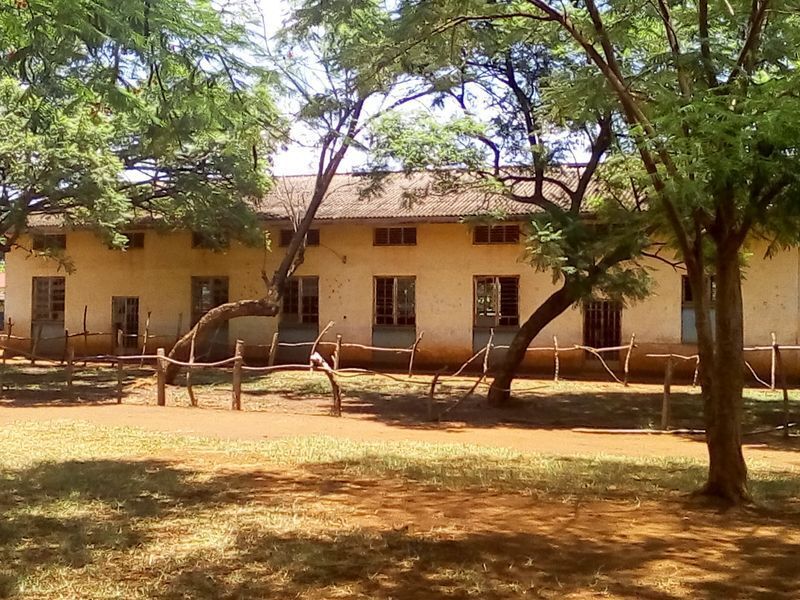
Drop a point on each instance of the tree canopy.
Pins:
(148, 107)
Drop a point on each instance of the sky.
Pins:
(296, 159)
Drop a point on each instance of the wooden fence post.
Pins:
(273, 349)
(336, 410)
(628, 360)
(85, 332)
(161, 377)
(70, 364)
(667, 392)
(236, 399)
(488, 350)
(556, 358)
(696, 372)
(146, 336)
(35, 344)
(120, 379)
(413, 352)
(66, 347)
(784, 387)
(8, 339)
(431, 395)
(337, 352)
(189, 388)
(774, 364)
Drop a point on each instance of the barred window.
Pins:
(496, 301)
(495, 234)
(49, 241)
(48, 299)
(395, 236)
(301, 301)
(395, 302)
(286, 235)
(207, 293)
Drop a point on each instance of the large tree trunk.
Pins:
(727, 474)
(263, 307)
(556, 304)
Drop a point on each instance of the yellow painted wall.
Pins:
(444, 262)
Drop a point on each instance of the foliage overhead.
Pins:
(145, 107)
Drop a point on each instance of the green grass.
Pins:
(99, 512)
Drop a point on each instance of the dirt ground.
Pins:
(394, 538)
(261, 425)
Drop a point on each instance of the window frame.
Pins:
(299, 315)
(201, 241)
(512, 321)
(36, 317)
(196, 281)
(409, 318)
(405, 236)
(285, 237)
(42, 242)
(492, 235)
(687, 305)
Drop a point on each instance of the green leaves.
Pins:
(113, 109)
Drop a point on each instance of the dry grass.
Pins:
(96, 512)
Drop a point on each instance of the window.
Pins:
(395, 236)
(301, 301)
(207, 293)
(125, 312)
(495, 234)
(135, 239)
(48, 299)
(688, 325)
(49, 241)
(602, 324)
(312, 237)
(395, 301)
(210, 242)
(496, 301)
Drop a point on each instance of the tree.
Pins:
(110, 111)
(516, 133)
(335, 94)
(708, 94)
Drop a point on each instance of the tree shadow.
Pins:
(383, 538)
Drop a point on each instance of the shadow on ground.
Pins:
(149, 528)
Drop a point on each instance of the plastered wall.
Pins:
(444, 262)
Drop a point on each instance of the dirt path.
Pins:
(260, 425)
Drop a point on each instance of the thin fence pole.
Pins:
(66, 344)
(120, 380)
(557, 367)
(70, 364)
(8, 339)
(189, 388)
(273, 350)
(696, 372)
(337, 352)
(236, 398)
(773, 366)
(628, 361)
(161, 378)
(413, 352)
(667, 393)
(85, 330)
(784, 387)
(432, 395)
(488, 350)
(146, 335)
(35, 345)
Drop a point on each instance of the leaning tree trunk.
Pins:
(264, 307)
(722, 390)
(557, 303)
